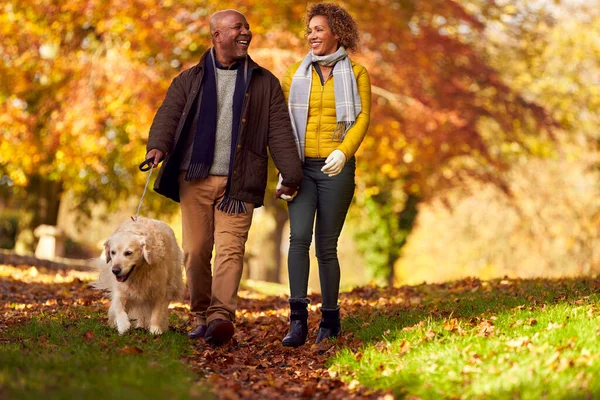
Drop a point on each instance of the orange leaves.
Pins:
(89, 335)
(518, 342)
(430, 334)
(485, 328)
(452, 325)
(470, 330)
(80, 85)
(404, 346)
(130, 350)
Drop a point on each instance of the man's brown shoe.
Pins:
(219, 331)
(199, 332)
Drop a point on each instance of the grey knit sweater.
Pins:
(225, 89)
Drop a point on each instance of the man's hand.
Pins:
(334, 163)
(157, 154)
(284, 192)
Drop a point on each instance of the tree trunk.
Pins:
(40, 207)
(406, 223)
(49, 193)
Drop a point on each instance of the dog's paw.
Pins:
(123, 325)
(155, 330)
(112, 320)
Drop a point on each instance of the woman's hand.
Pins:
(334, 163)
(284, 192)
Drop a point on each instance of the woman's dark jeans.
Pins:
(329, 198)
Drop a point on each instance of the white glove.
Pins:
(284, 196)
(334, 163)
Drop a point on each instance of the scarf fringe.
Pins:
(197, 171)
(339, 133)
(232, 206)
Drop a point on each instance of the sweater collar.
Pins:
(251, 63)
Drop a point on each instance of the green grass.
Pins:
(78, 356)
(525, 340)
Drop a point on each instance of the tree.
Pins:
(441, 112)
(80, 82)
(444, 114)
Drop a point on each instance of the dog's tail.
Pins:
(104, 275)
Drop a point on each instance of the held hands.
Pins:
(157, 154)
(334, 163)
(284, 192)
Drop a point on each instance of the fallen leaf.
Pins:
(130, 350)
(89, 335)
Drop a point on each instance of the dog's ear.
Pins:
(145, 251)
(107, 251)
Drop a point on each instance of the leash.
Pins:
(147, 165)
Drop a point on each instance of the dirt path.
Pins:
(253, 366)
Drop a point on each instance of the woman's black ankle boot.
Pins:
(330, 325)
(298, 323)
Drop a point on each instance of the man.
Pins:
(213, 130)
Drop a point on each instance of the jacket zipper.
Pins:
(320, 115)
(240, 126)
(319, 125)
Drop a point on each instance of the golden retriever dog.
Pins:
(143, 274)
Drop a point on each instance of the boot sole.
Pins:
(294, 345)
(222, 333)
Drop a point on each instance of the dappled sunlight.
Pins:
(176, 305)
(252, 316)
(44, 275)
(252, 295)
(386, 330)
(518, 350)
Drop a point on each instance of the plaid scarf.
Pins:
(347, 99)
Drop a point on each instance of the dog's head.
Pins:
(125, 251)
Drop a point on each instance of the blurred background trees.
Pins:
(477, 105)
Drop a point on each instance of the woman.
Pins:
(329, 98)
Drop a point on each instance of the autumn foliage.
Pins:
(463, 90)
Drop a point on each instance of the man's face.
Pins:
(233, 37)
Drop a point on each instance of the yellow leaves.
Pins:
(353, 385)
(519, 322)
(430, 334)
(415, 300)
(404, 346)
(17, 176)
(485, 328)
(387, 168)
(452, 325)
(510, 9)
(553, 325)
(415, 188)
(382, 346)
(372, 191)
(49, 51)
(518, 342)
(469, 369)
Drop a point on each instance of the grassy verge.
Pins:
(76, 356)
(502, 339)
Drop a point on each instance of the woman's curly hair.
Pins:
(340, 22)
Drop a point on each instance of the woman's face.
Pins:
(321, 39)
